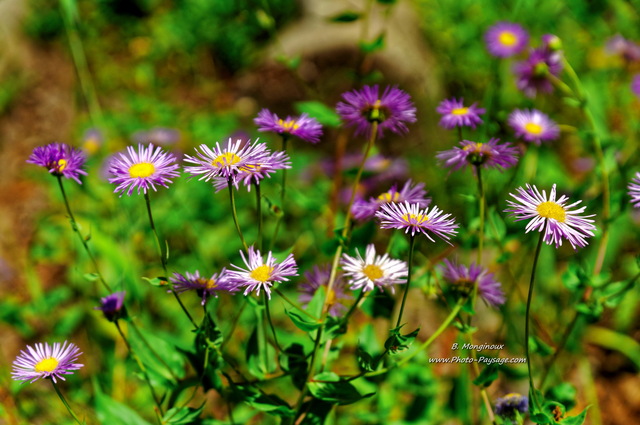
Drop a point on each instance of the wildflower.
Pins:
(92, 140)
(112, 306)
(635, 85)
(634, 191)
(141, 170)
(303, 127)
(60, 159)
(533, 73)
(512, 405)
(415, 220)
(533, 126)
(204, 287)
(46, 361)
(391, 111)
(373, 270)
(161, 136)
(488, 155)
(553, 217)
(627, 49)
(225, 162)
(455, 114)
(318, 277)
(506, 39)
(261, 274)
(365, 210)
(462, 279)
(253, 173)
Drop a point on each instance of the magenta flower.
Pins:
(60, 159)
(488, 155)
(373, 270)
(46, 361)
(533, 126)
(532, 74)
(392, 110)
(415, 220)
(634, 190)
(552, 217)
(142, 170)
(112, 306)
(261, 274)
(203, 286)
(303, 127)
(319, 277)
(455, 114)
(506, 39)
(366, 210)
(462, 279)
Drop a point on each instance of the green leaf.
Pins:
(182, 415)
(207, 345)
(91, 277)
(327, 386)
(294, 362)
(317, 412)
(373, 45)
(539, 346)
(576, 420)
(564, 393)
(302, 322)
(365, 360)
(334, 327)
(254, 359)
(398, 342)
(159, 355)
(487, 376)
(348, 16)
(156, 281)
(269, 403)
(113, 412)
(318, 110)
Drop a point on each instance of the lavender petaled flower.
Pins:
(257, 171)
(553, 217)
(162, 136)
(112, 306)
(635, 85)
(634, 190)
(204, 287)
(392, 110)
(46, 361)
(60, 159)
(319, 276)
(225, 162)
(415, 220)
(462, 279)
(627, 49)
(303, 127)
(506, 39)
(365, 210)
(533, 126)
(373, 270)
(511, 404)
(488, 155)
(261, 274)
(532, 74)
(141, 170)
(455, 114)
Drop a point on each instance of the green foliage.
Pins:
(329, 387)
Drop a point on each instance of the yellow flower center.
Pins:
(533, 128)
(415, 219)
(207, 283)
(372, 271)
(227, 158)
(62, 164)
(289, 125)
(91, 146)
(389, 197)
(46, 365)
(552, 210)
(460, 111)
(261, 273)
(477, 147)
(507, 38)
(142, 170)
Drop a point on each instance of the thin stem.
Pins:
(234, 323)
(460, 139)
(283, 189)
(235, 214)
(152, 350)
(532, 389)
(412, 242)
(294, 304)
(64, 401)
(75, 228)
(482, 202)
(273, 329)
(259, 214)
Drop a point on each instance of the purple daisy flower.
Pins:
(506, 39)
(373, 270)
(635, 85)
(60, 159)
(462, 279)
(533, 73)
(303, 127)
(415, 220)
(141, 170)
(455, 114)
(112, 306)
(261, 274)
(634, 190)
(318, 277)
(204, 287)
(488, 155)
(392, 110)
(366, 210)
(551, 216)
(253, 173)
(161, 136)
(46, 361)
(511, 405)
(228, 162)
(533, 126)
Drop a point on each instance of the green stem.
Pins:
(259, 214)
(294, 304)
(234, 323)
(532, 390)
(163, 259)
(152, 350)
(75, 228)
(460, 139)
(64, 401)
(235, 214)
(273, 329)
(482, 202)
(412, 242)
(283, 189)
